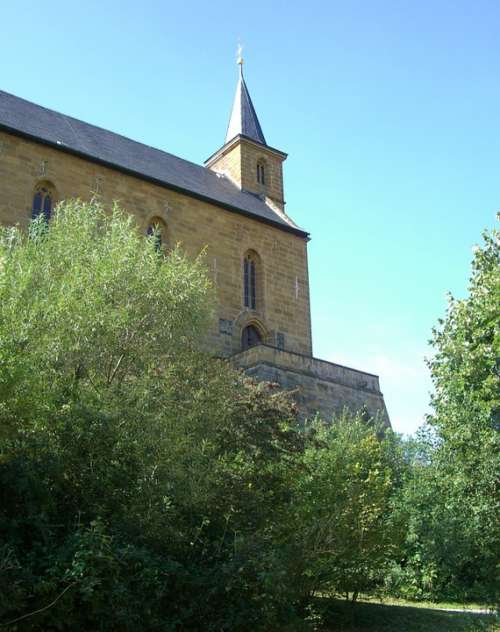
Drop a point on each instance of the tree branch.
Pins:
(31, 614)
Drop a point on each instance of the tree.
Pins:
(466, 402)
(141, 482)
(465, 368)
(451, 490)
(345, 532)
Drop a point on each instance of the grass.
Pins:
(442, 605)
(340, 616)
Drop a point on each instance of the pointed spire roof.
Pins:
(244, 119)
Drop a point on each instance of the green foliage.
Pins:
(346, 535)
(451, 490)
(146, 486)
(465, 371)
(465, 368)
(140, 484)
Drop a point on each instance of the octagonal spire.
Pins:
(243, 118)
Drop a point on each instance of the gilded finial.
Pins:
(239, 57)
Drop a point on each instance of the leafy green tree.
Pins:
(141, 484)
(345, 532)
(451, 490)
(429, 528)
(466, 402)
(465, 367)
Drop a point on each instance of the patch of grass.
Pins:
(442, 605)
(340, 616)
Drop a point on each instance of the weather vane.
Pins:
(239, 58)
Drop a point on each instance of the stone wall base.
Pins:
(319, 386)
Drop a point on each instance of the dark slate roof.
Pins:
(243, 120)
(27, 119)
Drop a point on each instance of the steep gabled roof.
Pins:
(68, 134)
(243, 120)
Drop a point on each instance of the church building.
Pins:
(233, 206)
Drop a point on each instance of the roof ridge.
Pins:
(40, 124)
(104, 129)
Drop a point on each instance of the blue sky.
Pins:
(389, 111)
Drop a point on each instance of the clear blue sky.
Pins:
(389, 110)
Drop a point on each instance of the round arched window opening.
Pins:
(250, 337)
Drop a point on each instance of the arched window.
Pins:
(250, 264)
(250, 337)
(157, 230)
(261, 172)
(43, 200)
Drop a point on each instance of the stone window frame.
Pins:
(253, 281)
(262, 172)
(43, 199)
(257, 324)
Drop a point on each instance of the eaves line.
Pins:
(165, 185)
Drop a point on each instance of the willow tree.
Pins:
(140, 480)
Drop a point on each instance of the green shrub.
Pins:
(140, 482)
(345, 532)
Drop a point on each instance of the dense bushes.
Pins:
(144, 486)
(345, 530)
(141, 483)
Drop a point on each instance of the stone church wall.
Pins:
(284, 311)
(282, 314)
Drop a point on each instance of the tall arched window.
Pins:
(157, 230)
(250, 264)
(261, 172)
(43, 200)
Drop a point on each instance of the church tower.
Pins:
(245, 158)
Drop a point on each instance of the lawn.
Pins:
(377, 617)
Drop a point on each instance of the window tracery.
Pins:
(43, 200)
(250, 263)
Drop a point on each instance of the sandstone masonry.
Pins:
(232, 210)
